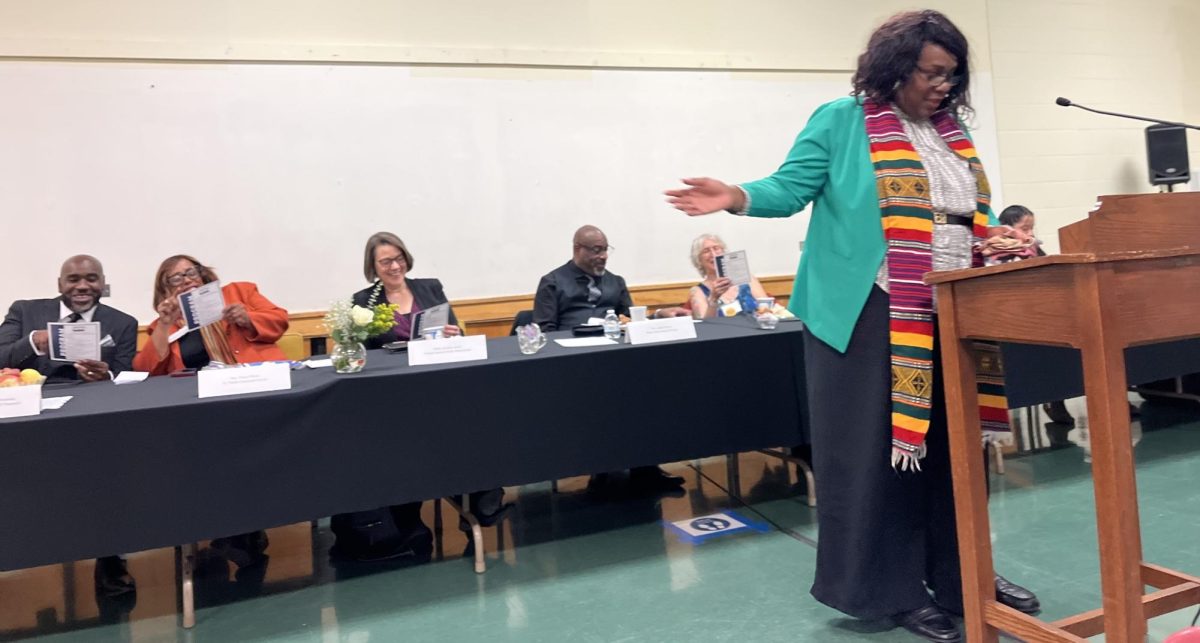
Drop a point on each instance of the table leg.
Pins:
(733, 476)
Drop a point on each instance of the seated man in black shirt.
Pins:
(582, 289)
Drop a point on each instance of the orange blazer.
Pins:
(255, 344)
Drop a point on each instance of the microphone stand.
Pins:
(1065, 102)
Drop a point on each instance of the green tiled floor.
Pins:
(573, 567)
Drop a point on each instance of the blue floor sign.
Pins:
(702, 528)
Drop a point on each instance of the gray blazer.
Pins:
(26, 316)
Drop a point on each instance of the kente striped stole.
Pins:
(907, 210)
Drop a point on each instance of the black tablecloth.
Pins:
(1038, 374)
(126, 468)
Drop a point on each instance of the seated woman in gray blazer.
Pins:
(386, 263)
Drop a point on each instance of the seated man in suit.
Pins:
(581, 289)
(24, 343)
(24, 340)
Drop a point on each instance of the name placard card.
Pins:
(653, 331)
(272, 376)
(447, 350)
(20, 401)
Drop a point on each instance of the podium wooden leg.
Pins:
(1117, 524)
(970, 490)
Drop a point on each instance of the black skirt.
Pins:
(886, 538)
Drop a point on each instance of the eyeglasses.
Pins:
(398, 260)
(180, 277)
(936, 78)
(712, 250)
(597, 250)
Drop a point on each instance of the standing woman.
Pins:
(897, 190)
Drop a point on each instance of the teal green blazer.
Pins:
(829, 166)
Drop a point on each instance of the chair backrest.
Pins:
(292, 345)
(524, 317)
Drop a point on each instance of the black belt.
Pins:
(953, 219)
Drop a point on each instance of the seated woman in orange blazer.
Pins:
(248, 332)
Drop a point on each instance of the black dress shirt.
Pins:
(562, 302)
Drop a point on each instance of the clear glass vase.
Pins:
(349, 357)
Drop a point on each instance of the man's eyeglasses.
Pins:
(180, 277)
(936, 78)
(597, 250)
(387, 261)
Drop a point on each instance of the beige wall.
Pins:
(460, 125)
(1134, 56)
(722, 34)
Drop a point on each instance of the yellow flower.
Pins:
(30, 376)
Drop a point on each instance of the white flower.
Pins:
(361, 316)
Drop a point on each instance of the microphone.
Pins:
(1066, 102)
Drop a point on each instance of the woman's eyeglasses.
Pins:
(936, 78)
(180, 277)
(398, 260)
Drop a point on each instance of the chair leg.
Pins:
(998, 454)
(464, 511)
(187, 566)
(803, 467)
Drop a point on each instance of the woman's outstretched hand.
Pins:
(705, 196)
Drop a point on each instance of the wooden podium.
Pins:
(1129, 275)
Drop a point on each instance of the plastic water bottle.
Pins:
(612, 325)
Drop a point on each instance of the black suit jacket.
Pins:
(426, 293)
(26, 316)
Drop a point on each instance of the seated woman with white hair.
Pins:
(715, 296)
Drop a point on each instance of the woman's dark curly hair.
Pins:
(894, 49)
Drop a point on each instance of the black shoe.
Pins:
(243, 550)
(112, 577)
(929, 623)
(416, 542)
(489, 507)
(485, 520)
(654, 479)
(1017, 597)
(1057, 412)
(115, 609)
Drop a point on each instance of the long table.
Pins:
(1037, 374)
(127, 468)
